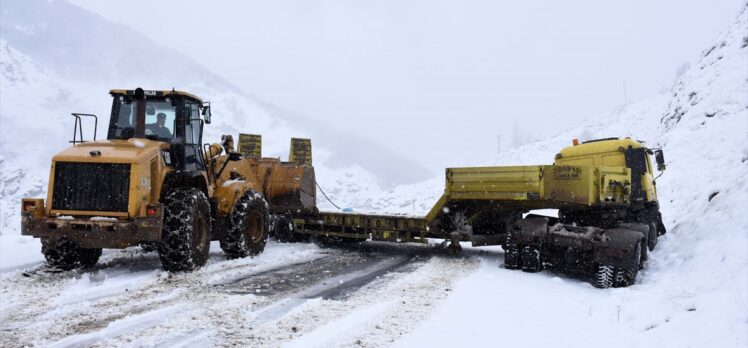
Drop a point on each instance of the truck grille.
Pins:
(91, 186)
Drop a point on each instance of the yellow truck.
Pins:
(604, 191)
(608, 212)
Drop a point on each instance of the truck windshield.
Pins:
(159, 119)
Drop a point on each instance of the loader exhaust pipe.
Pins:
(140, 113)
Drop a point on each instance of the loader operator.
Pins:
(158, 128)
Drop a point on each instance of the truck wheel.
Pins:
(185, 241)
(67, 254)
(531, 260)
(627, 276)
(249, 227)
(604, 276)
(284, 232)
(512, 258)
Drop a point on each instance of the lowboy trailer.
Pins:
(604, 191)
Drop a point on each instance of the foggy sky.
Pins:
(437, 81)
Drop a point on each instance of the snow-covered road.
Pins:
(294, 293)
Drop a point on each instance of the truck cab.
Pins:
(617, 153)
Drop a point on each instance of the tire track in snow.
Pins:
(123, 326)
(50, 306)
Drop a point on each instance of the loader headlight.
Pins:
(32, 205)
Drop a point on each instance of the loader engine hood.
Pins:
(111, 178)
(112, 151)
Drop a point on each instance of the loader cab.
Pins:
(173, 117)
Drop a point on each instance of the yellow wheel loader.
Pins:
(153, 182)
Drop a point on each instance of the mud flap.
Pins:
(532, 231)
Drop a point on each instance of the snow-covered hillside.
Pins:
(57, 58)
(695, 290)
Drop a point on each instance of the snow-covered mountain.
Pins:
(693, 292)
(57, 58)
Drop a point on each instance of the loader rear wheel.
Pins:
(625, 277)
(249, 229)
(512, 257)
(67, 254)
(531, 260)
(185, 241)
(604, 276)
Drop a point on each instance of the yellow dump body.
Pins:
(591, 174)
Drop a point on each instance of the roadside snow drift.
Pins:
(695, 289)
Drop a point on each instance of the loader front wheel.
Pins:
(249, 227)
(185, 241)
(67, 254)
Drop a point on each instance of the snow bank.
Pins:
(695, 290)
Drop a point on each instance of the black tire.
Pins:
(67, 254)
(531, 260)
(512, 257)
(149, 247)
(625, 277)
(249, 229)
(283, 230)
(604, 276)
(185, 240)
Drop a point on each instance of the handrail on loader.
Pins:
(78, 127)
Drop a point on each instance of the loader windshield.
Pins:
(159, 120)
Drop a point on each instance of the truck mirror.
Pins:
(150, 110)
(660, 158)
(206, 114)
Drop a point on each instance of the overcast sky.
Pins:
(437, 80)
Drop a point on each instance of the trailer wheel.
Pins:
(248, 233)
(185, 241)
(625, 277)
(531, 260)
(512, 259)
(604, 276)
(283, 230)
(67, 254)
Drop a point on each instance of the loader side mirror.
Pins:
(150, 110)
(660, 159)
(206, 113)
